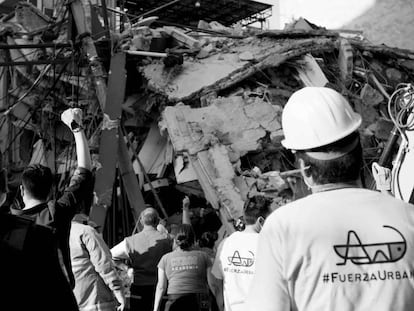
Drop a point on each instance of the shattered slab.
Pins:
(225, 68)
(231, 121)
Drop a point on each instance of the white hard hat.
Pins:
(315, 117)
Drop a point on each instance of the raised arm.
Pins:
(73, 119)
(186, 211)
(81, 184)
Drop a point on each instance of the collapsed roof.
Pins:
(198, 110)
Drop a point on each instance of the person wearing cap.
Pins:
(143, 251)
(342, 247)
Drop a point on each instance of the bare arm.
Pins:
(186, 211)
(119, 251)
(82, 150)
(81, 184)
(160, 289)
(73, 119)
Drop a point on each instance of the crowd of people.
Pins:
(342, 247)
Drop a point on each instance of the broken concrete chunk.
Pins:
(183, 170)
(192, 76)
(182, 37)
(246, 56)
(214, 25)
(230, 197)
(265, 114)
(345, 61)
(220, 159)
(230, 120)
(203, 54)
(209, 48)
(207, 99)
(203, 25)
(310, 73)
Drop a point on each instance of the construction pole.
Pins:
(83, 26)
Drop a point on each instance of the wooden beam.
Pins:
(108, 147)
(83, 24)
(135, 198)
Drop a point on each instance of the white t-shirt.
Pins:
(346, 249)
(235, 265)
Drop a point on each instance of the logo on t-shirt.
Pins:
(184, 263)
(239, 261)
(370, 253)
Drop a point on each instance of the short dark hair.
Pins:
(37, 180)
(150, 217)
(346, 168)
(255, 207)
(185, 237)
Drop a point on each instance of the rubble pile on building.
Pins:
(203, 105)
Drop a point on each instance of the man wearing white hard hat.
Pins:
(342, 247)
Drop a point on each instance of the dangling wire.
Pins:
(400, 106)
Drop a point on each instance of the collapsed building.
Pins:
(173, 110)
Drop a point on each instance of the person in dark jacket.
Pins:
(36, 185)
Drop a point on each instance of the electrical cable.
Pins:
(400, 108)
(31, 115)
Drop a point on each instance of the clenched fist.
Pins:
(72, 117)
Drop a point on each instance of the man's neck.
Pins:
(335, 186)
(148, 227)
(32, 203)
(250, 229)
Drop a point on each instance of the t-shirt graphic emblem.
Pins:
(370, 253)
(239, 261)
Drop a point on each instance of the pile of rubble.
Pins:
(202, 106)
(223, 105)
